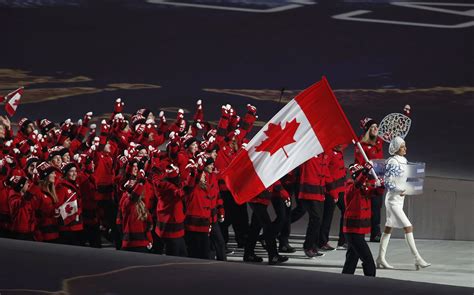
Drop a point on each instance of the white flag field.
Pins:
(311, 123)
(69, 210)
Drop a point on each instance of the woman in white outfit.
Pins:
(395, 180)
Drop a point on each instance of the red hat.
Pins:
(366, 123)
(143, 112)
(24, 122)
(44, 169)
(45, 125)
(190, 141)
(65, 167)
(57, 150)
(138, 119)
(17, 182)
(26, 162)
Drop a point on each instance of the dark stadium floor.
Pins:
(40, 268)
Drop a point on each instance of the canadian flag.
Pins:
(12, 100)
(311, 123)
(69, 210)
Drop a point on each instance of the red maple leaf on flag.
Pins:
(278, 137)
(68, 209)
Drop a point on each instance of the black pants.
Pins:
(159, 244)
(342, 208)
(217, 242)
(198, 244)
(358, 249)
(4, 233)
(74, 238)
(92, 235)
(237, 216)
(315, 211)
(376, 202)
(108, 219)
(137, 249)
(175, 247)
(298, 211)
(282, 221)
(261, 219)
(22, 236)
(328, 213)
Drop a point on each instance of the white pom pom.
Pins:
(68, 121)
(118, 100)
(125, 153)
(89, 113)
(35, 132)
(237, 132)
(93, 126)
(161, 114)
(149, 121)
(103, 122)
(181, 111)
(199, 102)
(228, 107)
(79, 122)
(76, 157)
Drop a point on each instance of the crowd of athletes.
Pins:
(153, 185)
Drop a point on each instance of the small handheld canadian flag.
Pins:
(12, 100)
(69, 209)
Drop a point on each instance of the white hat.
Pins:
(395, 145)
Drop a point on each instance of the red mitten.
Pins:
(118, 107)
(87, 118)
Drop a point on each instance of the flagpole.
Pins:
(372, 171)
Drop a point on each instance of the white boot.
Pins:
(419, 262)
(380, 261)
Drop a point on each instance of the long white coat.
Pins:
(395, 181)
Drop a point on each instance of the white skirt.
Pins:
(396, 217)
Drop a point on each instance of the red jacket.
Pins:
(46, 216)
(22, 212)
(217, 204)
(225, 155)
(5, 218)
(198, 207)
(169, 211)
(104, 176)
(136, 232)
(372, 151)
(358, 210)
(87, 189)
(314, 176)
(338, 172)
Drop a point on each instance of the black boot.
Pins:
(277, 259)
(252, 258)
